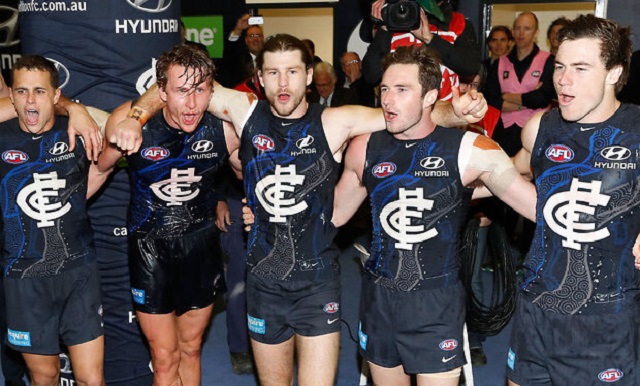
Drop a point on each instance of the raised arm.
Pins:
(230, 105)
(480, 158)
(350, 192)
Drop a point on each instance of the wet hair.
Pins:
(562, 21)
(615, 42)
(284, 43)
(500, 28)
(37, 63)
(427, 60)
(192, 58)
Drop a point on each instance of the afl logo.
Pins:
(63, 73)
(615, 153)
(611, 375)
(15, 157)
(155, 153)
(448, 345)
(59, 148)
(432, 163)
(384, 169)
(331, 308)
(559, 153)
(304, 142)
(263, 143)
(8, 26)
(202, 146)
(152, 6)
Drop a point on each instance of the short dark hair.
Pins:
(37, 63)
(427, 60)
(188, 56)
(563, 21)
(284, 43)
(500, 28)
(615, 42)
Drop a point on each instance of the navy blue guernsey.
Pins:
(418, 208)
(289, 177)
(46, 229)
(587, 220)
(105, 50)
(173, 175)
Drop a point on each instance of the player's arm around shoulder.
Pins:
(232, 106)
(350, 191)
(481, 158)
(522, 160)
(111, 153)
(346, 122)
(233, 147)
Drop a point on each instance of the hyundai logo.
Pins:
(8, 26)
(152, 6)
(59, 148)
(202, 146)
(616, 153)
(432, 163)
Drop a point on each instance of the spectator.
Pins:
(324, 78)
(352, 68)
(552, 33)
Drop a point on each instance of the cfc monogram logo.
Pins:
(271, 192)
(177, 189)
(35, 199)
(562, 213)
(396, 218)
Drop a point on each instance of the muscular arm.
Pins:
(110, 153)
(482, 159)
(233, 144)
(350, 192)
(227, 104)
(636, 252)
(522, 159)
(345, 122)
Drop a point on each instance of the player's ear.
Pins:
(613, 75)
(429, 98)
(56, 96)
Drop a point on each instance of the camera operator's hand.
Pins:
(423, 33)
(376, 10)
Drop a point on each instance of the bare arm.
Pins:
(233, 145)
(81, 123)
(480, 158)
(230, 105)
(110, 153)
(522, 160)
(350, 192)
(636, 252)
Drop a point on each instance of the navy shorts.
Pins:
(420, 330)
(548, 348)
(277, 309)
(178, 274)
(44, 311)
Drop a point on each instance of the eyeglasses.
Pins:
(253, 36)
(351, 62)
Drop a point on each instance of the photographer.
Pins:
(443, 30)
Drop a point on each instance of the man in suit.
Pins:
(353, 79)
(240, 54)
(326, 93)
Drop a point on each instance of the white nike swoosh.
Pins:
(331, 321)
(408, 145)
(287, 124)
(586, 128)
(36, 137)
(445, 360)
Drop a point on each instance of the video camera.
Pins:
(401, 15)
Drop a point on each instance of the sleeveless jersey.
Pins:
(509, 83)
(173, 177)
(44, 188)
(290, 176)
(588, 185)
(418, 206)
